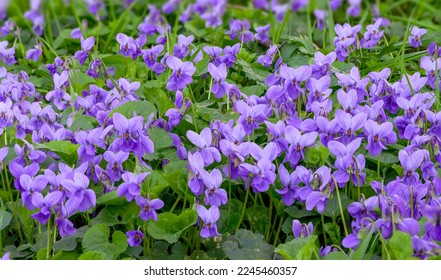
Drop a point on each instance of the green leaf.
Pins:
(333, 231)
(333, 209)
(140, 108)
(246, 245)
(253, 90)
(253, 72)
(116, 215)
(5, 219)
(160, 138)
(298, 249)
(62, 255)
(385, 158)
(83, 122)
(93, 255)
(201, 67)
(27, 223)
(97, 239)
(297, 213)
(160, 251)
(229, 223)
(65, 149)
(169, 227)
(110, 198)
(400, 247)
(336, 256)
(41, 254)
(69, 243)
(365, 238)
(258, 218)
(316, 156)
(80, 80)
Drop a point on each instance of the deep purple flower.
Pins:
(204, 142)
(250, 116)
(298, 144)
(131, 136)
(262, 33)
(266, 59)
(219, 75)
(349, 124)
(230, 54)
(301, 230)
(347, 163)
(181, 75)
(320, 16)
(354, 8)
(240, 29)
(214, 53)
(94, 68)
(214, 195)
(410, 163)
(373, 35)
(134, 238)
(131, 187)
(81, 198)
(149, 207)
(35, 53)
(298, 4)
(293, 77)
(86, 46)
(45, 204)
(31, 188)
(114, 164)
(181, 48)
(415, 36)
(379, 136)
(209, 218)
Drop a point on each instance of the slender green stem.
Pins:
(176, 203)
(279, 228)
(244, 206)
(341, 207)
(270, 214)
(378, 166)
(229, 187)
(48, 245)
(308, 22)
(193, 102)
(323, 228)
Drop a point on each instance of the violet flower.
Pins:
(262, 33)
(181, 75)
(181, 48)
(209, 218)
(149, 207)
(45, 204)
(379, 136)
(302, 230)
(35, 53)
(415, 36)
(131, 187)
(219, 75)
(86, 46)
(134, 238)
(214, 194)
(204, 142)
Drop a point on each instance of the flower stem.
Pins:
(323, 228)
(48, 245)
(341, 207)
(244, 206)
(378, 166)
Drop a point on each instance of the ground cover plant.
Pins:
(220, 129)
